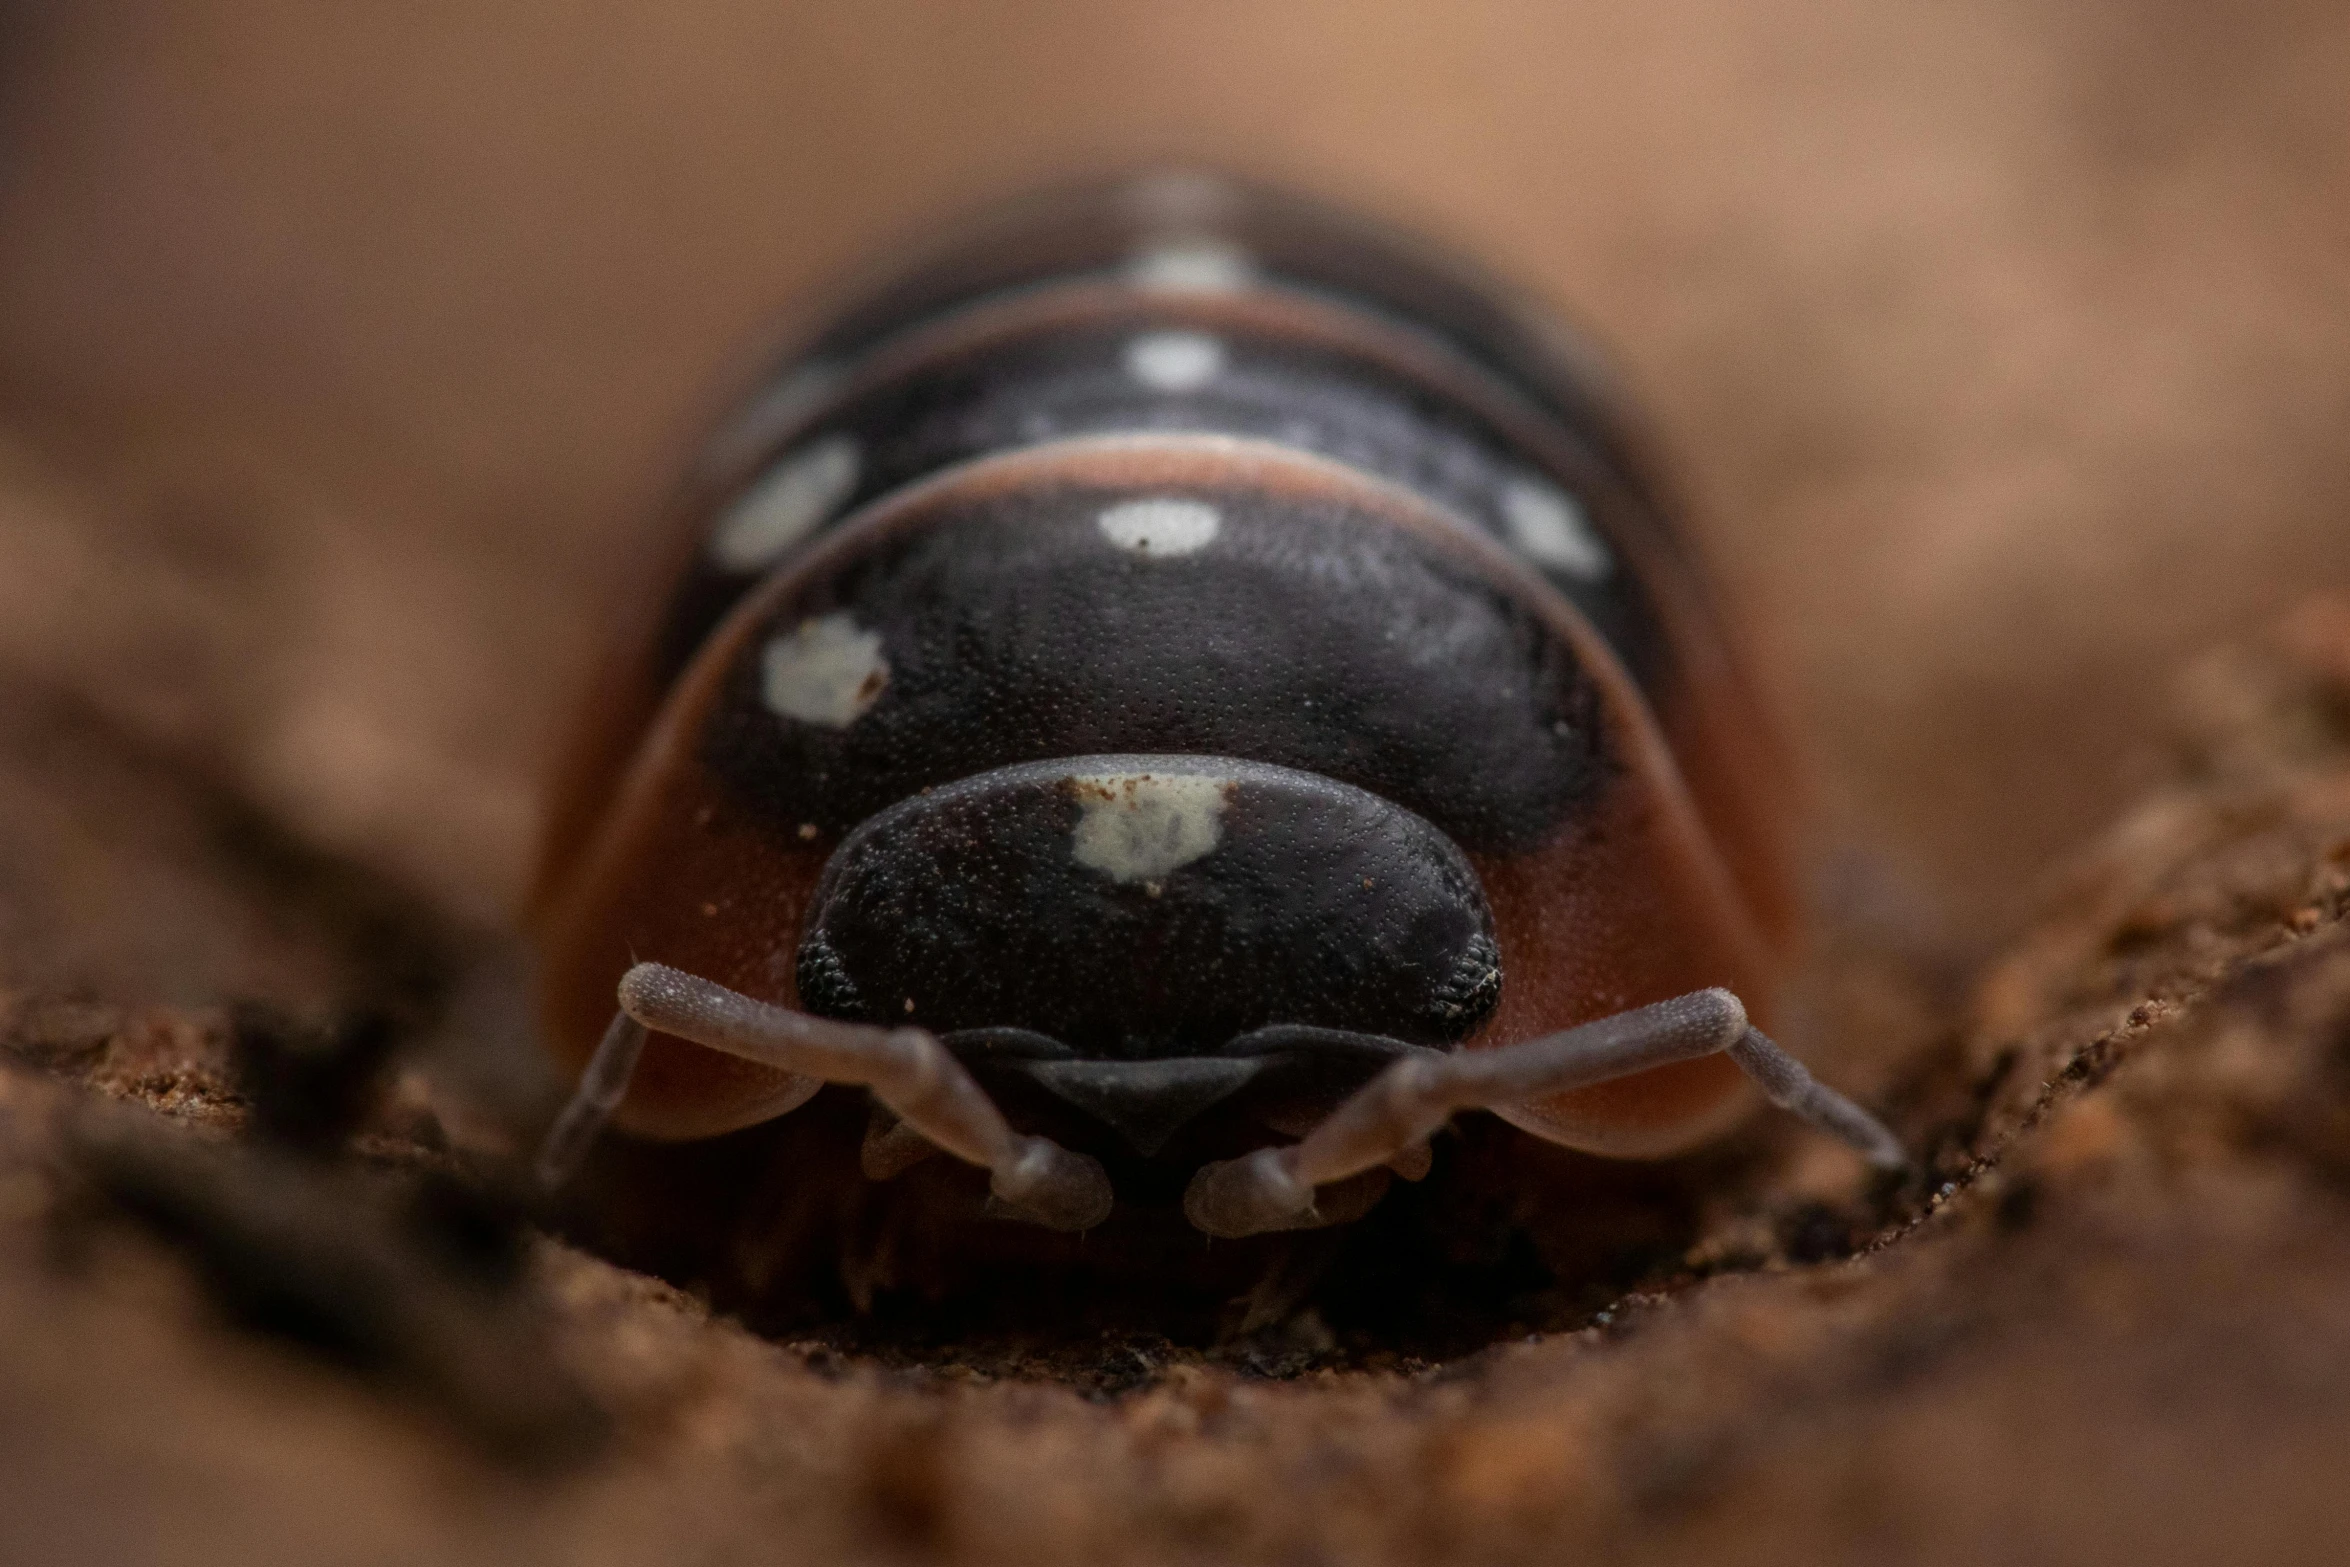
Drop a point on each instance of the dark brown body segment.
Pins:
(1323, 290)
(1624, 811)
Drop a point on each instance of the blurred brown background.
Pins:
(2003, 345)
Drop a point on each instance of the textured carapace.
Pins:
(1308, 901)
(1182, 649)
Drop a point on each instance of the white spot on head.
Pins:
(768, 417)
(828, 672)
(1174, 361)
(1140, 826)
(1170, 197)
(1160, 526)
(1192, 266)
(1549, 527)
(786, 504)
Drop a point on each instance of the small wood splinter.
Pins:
(1273, 1188)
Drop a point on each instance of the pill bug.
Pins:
(1183, 681)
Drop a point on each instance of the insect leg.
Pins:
(891, 1147)
(1273, 1188)
(907, 1070)
(601, 1088)
(1785, 1083)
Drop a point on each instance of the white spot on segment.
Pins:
(1161, 526)
(768, 418)
(786, 504)
(1548, 525)
(1192, 266)
(829, 672)
(1139, 826)
(1175, 361)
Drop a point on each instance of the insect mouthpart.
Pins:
(1286, 1074)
